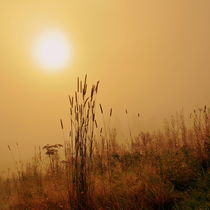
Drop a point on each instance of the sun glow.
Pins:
(52, 51)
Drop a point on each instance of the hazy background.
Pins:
(151, 57)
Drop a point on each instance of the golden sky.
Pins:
(151, 57)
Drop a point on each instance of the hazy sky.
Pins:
(151, 57)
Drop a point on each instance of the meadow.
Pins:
(164, 169)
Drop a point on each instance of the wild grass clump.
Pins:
(79, 149)
(92, 169)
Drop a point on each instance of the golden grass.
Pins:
(99, 173)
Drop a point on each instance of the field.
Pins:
(165, 169)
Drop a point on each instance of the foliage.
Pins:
(92, 170)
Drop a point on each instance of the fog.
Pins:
(151, 57)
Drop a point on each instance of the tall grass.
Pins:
(93, 170)
(80, 146)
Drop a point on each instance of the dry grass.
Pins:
(98, 173)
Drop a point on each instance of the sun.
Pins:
(52, 51)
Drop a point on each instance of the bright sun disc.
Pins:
(52, 51)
